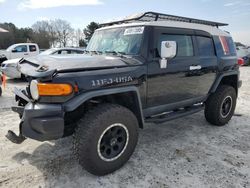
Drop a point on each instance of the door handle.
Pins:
(26, 54)
(195, 67)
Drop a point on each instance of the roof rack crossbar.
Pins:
(154, 16)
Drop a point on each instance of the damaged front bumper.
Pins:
(38, 121)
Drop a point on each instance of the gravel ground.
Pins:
(186, 152)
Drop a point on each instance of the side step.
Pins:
(174, 114)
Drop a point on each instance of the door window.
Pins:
(184, 44)
(64, 52)
(76, 52)
(32, 48)
(61, 52)
(21, 48)
(205, 46)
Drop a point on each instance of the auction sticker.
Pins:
(134, 31)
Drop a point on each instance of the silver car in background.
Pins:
(9, 67)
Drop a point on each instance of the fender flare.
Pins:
(77, 101)
(221, 76)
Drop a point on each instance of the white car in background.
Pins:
(20, 50)
(9, 67)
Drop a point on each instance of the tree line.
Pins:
(47, 34)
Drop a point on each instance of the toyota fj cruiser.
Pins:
(150, 68)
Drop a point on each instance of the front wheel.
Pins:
(105, 138)
(220, 106)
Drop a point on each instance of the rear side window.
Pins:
(184, 44)
(205, 46)
(32, 48)
(225, 46)
(231, 45)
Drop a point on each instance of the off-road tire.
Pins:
(213, 105)
(90, 130)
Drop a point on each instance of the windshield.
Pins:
(118, 40)
(48, 52)
(10, 48)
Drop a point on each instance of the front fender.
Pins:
(77, 101)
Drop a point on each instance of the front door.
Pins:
(20, 51)
(179, 82)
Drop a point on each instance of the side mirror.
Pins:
(168, 51)
(14, 50)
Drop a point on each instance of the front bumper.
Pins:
(42, 121)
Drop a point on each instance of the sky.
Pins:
(23, 13)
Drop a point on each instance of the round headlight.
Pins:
(34, 90)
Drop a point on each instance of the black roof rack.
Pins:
(154, 16)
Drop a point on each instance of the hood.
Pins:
(40, 66)
(12, 61)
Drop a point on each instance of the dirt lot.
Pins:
(187, 152)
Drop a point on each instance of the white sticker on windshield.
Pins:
(134, 30)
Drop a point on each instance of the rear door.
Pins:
(33, 50)
(208, 62)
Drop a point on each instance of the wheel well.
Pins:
(126, 99)
(231, 81)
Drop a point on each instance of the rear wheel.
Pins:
(0, 91)
(105, 138)
(220, 105)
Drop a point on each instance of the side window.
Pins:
(231, 46)
(205, 46)
(76, 52)
(32, 48)
(73, 52)
(21, 48)
(224, 46)
(64, 52)
(184, 44)
(57, 52)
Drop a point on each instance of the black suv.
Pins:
(150, 68)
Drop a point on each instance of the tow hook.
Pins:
(14, 138)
